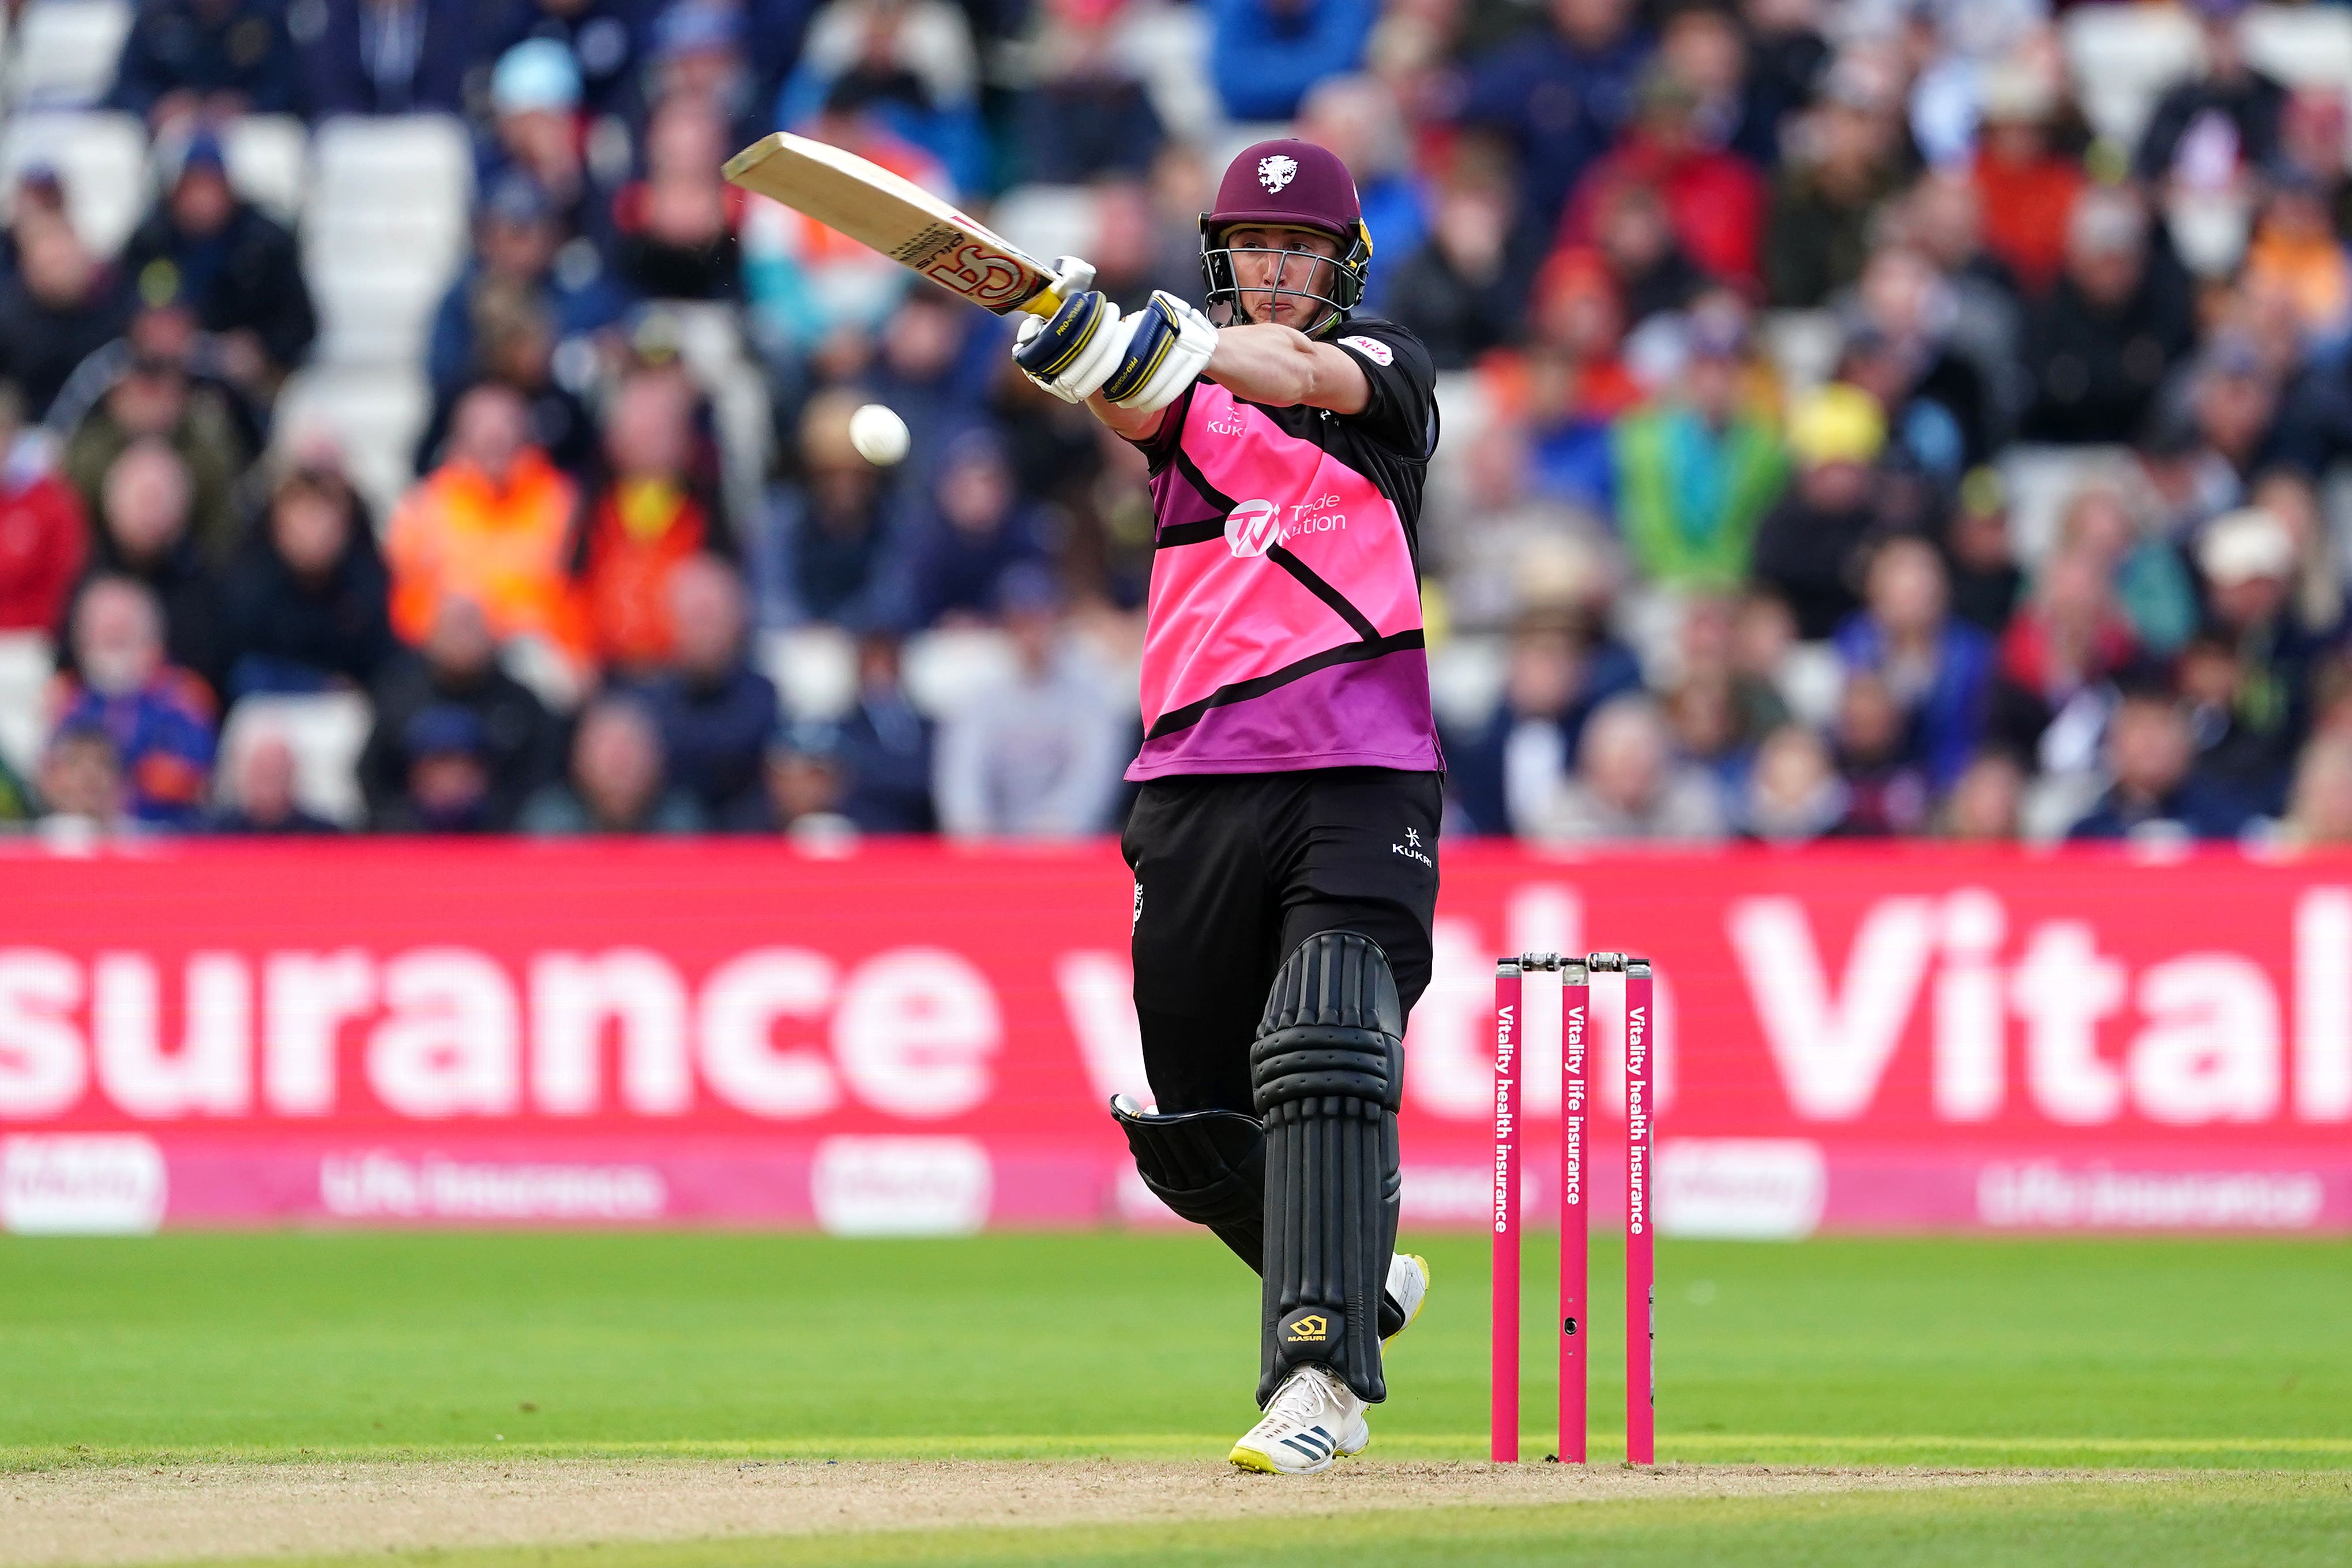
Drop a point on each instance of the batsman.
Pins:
(1285, 840)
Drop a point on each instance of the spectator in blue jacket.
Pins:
(821, 552)
(2156, 795)
(1089, 112)
(700, 57)
(884, 748)
(539, 128)
(516, 237)
(160, 716)
(1937, 667)
(715, 712)
(937, 361)
(605, 38)
(211, 59)
(390, 56)
(963, 538)
(1560, 93)
(1502, 774)
(1265, 54)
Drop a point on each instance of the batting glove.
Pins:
(1071, 355)
(1168, 346)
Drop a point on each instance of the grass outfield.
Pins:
(2044, 1353)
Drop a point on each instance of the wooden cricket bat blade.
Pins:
(898, 218)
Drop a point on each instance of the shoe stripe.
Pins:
(1305, 1445)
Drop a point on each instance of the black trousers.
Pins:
(1232, 872)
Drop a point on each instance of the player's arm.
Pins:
(1137, 425)
(1281, 367)
(1266, 363)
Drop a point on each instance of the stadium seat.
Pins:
(2335, 511)
(1649, 621)
(62, 53)
(1167, 48)
(1237, 135)
(1464, 411)
(2301, 45)
(710, 341)
(268, 156)
(2122, 57)
(1802, 346)
(1810, 680)
(549, 673)
(27, 662)
(1466, 679)
(946, 669)
(2040, 480)
(2055, 803)
(326, 733)
(102, 158)
(1048, 221)
(384, 229)
(814, 668)
(374, 415)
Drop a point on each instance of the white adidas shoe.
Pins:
(1311, 1418)
(1408, 1287)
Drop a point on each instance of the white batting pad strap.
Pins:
(1187, 356)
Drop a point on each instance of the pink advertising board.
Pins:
(913, 1038)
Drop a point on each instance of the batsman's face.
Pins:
(1277, 270)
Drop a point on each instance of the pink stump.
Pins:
(1503, 1417)
(1641, 1240)
(1575, 1211)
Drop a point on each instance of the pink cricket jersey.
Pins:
(1284, 631)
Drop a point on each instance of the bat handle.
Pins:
(1071, 276)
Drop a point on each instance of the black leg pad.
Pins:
(1208, 1167)
(1327, 1075)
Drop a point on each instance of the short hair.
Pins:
(149, 607)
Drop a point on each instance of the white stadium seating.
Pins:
(374, 414)
(62, 53)
(384, 230)
(268, 162)
(102, 157)
(710, 341)
(2122, 57)
(27, 662)
(1048, 221)
(945, 669)
(814, 668)
(325, 732)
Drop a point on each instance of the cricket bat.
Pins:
(897, 217)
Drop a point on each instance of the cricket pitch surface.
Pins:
(327, 1510)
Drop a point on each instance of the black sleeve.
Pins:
(1402, 414)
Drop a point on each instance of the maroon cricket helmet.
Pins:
(1297, 183)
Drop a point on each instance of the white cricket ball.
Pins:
(879, 435)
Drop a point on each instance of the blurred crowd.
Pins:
(1845, 438)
